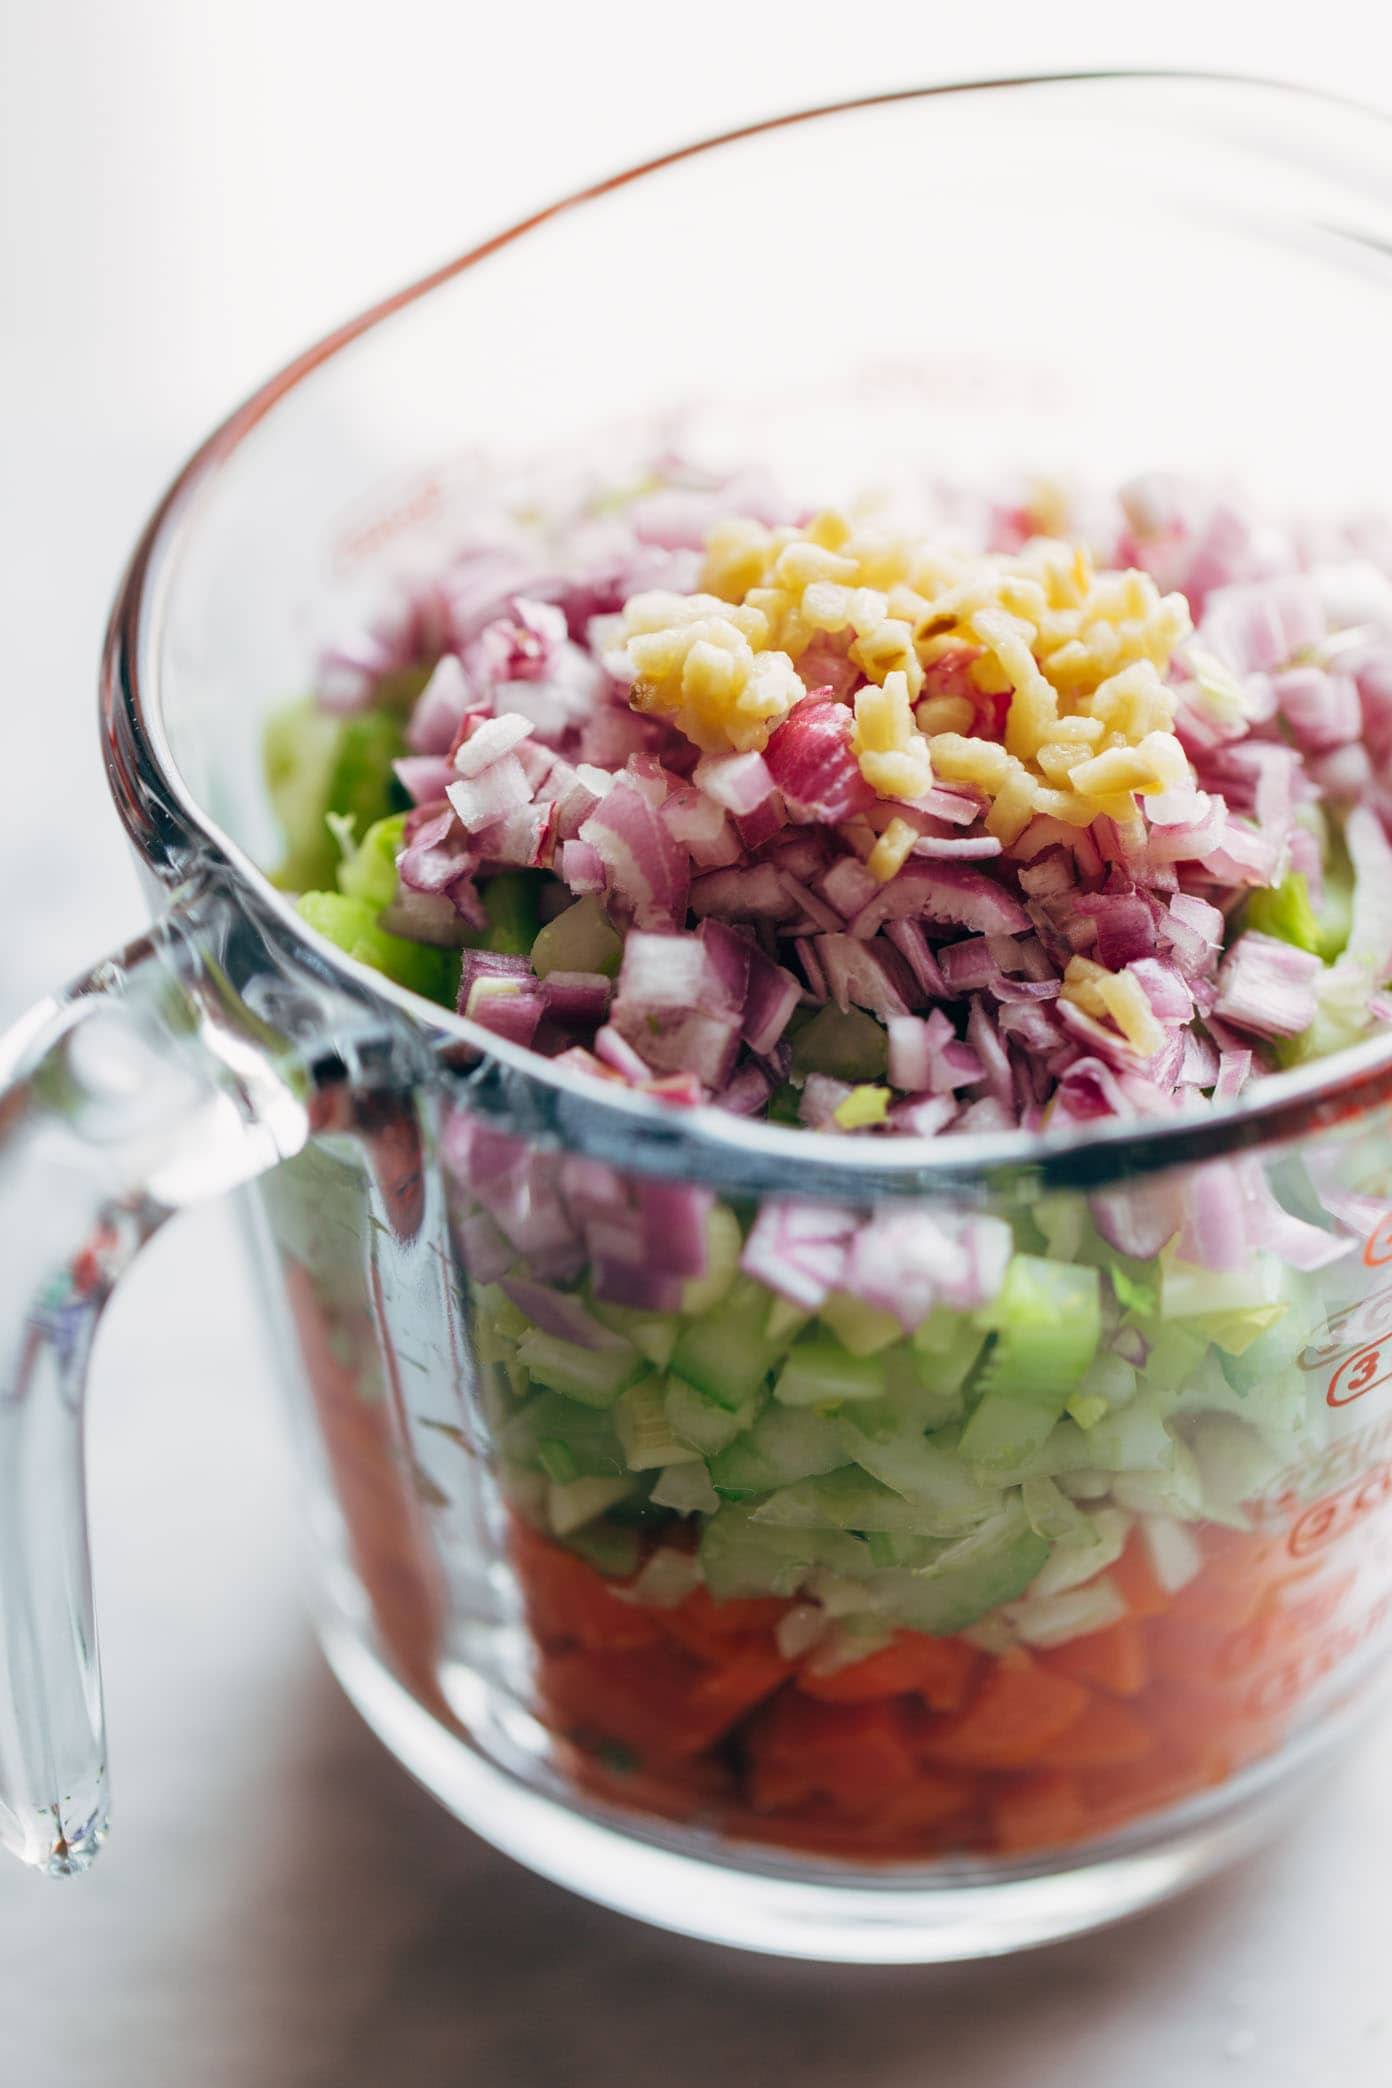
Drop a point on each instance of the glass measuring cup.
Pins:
(672, 1761)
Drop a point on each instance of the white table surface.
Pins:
(187, 194)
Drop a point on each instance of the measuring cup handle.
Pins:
(149, 1084)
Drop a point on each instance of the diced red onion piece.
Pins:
(799, 1250)
(1267, 986)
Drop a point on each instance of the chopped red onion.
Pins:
(947, 893)
(799, 1249)
(1267, 986)
(810, 760)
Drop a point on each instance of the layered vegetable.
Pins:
(908, 1528)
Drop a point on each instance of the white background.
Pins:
(188, 193)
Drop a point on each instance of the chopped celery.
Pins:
(1266, 1359)
(785, 1320)
(510, 902)
(582, 939)
(596, 1376)
(557, 1460)
(861, 1328)
(653, 1334)
(1186, 1290)
(1285, 911)
(1050, 1513)
(1005, 1432)
(946, 1494)
(612, 1551)
(586, 1435)
(705, 1423)
(1234, 1463)
(784, 1105)
(949, 1343)
(352, 925)
(784, 1445)
(724, 1240)
(1178, 1492)
(820, 1372)
(495, 1313)
(1135, 1291)
(729, 1353)
(369, 872)
(739, 1558)
(995, 1565)
(846, 1499)
(686, 1488)
(863, 1107)
(848, 1044)
(572, 1503)
(298, 752)
(1048, 1321)
(362, 777)
(643, 1428)
(1175, 1351)
(1098, 1543)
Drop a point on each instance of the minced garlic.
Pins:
(1097, 991)
(1081, 655)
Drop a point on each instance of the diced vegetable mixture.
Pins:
(919, 1528)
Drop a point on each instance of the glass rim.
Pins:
(176, 837)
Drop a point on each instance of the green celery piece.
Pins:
(614, 1551)
(785, 1444)
(861, 1328)
(820, 1372)
(740, 1558)
(653, 1334)
(298, 753)
(645, 1431)
(595, 1376)
(549, 1418)
(352, 925)
(510, 902)
(581, 939)
(1135, 1293)
(1048, 1321)
(964, 1584)
(729, 1352)
(949, 1343)
(369, 873)
(1005, 1432)
(783, 1104)
(935, 1476)
(846, 1499)
(848, 1045)
(361, 780)
(557, 1460)
(1284, 910)
(724, 1244)
(705, 1423)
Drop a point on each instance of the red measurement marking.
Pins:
(1377, 1249)
(1356, 1375)
(1332, 1518)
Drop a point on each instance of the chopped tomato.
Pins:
(940, 1670)
(1107, 1732)
(854, 1754)
(1037, 1811)
(1113, 1660)
(658, 1700)
(708, 1628)
(1019, 1709)
(568, 1602)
